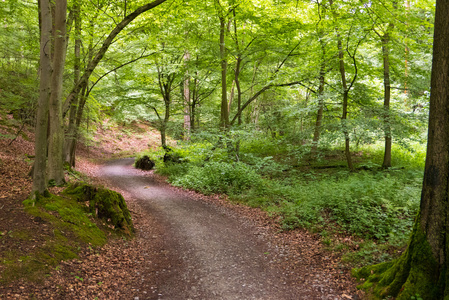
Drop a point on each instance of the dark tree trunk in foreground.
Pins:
(39, 179)
(423, 268)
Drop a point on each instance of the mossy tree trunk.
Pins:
(423, 268)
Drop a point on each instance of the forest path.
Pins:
(212, 253)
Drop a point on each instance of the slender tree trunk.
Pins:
(187, 121)
(407, 50)
(319, 116)
(386, 114)
(344, 115)
(163, 135)
(165, 82)
(70, 140)
(255, 111)
(224, 117)
(231, 97)
(40, 163)
(423, 268)
(193, 106)
(56, 138)
(239, 90)
(165, 121)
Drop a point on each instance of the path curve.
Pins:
(222, 256)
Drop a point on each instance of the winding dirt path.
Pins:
(213, 254)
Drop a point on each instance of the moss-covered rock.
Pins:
(107, 205)
(144, 163)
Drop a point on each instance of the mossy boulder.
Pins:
(105, 204)
(144, 163)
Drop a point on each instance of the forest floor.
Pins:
(187, 246)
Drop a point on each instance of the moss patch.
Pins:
(105, 204)
(415, 274)
(72, 225)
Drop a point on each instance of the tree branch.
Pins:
(102, 51)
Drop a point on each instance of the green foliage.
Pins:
(219, 177)
(404, 155)
(379, 206)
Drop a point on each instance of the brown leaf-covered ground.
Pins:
(136, 269)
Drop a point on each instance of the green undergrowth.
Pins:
(72, 224)
(375, 206)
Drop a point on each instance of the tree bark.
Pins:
(319, 116)
(40, 163)
(423, 267)
(186, 94)
(387, 94)
(70, 139)
(193, 104)
(344, 116)
(165, 82)
(224, 116)
(56, 138)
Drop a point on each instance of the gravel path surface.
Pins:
(222, 256)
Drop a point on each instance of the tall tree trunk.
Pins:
(344, 115)
(186, 94)
(224, 116)
(165, 121)
(319, 116)
(231, 97)
(423, 268)
(387, 94)
(193, 105)
(239, 90)
(70, 140)
(40, 163)
(56, 138)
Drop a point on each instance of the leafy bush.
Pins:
(371, 206)
(219, 177)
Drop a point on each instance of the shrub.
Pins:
(370, 206)
(219, 177)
